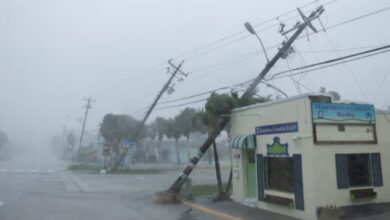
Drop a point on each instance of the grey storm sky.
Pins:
(53, 53)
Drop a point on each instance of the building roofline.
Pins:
(379, 111)
(277, 101)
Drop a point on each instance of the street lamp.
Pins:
(251, 30)
(276, 88)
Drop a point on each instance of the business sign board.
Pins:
(277, 128)
(343, 113)
(277, 148)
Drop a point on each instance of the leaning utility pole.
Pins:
(282, 53)
(87, 107)
(165, 87)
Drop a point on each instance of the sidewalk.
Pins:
(233, 210)
(238, 211)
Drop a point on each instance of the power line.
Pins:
(246, 56)
(348, 68)
(179, 105)
(193, 96)
(207, 73)
(382, 83)
(359, 17)
(267, 21)
(136, 78)
(243, 31)
(339, 49)
(242, 57)
(331, 60)
(323, 73)
(329, 65)
(205, 93)
(337, 25)
(247, 35)
(276, 76)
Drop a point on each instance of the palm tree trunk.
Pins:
(217, 169)
(229, 181)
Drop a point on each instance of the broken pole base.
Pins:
(167, 197)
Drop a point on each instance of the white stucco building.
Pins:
(295, 155)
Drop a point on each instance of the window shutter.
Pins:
(342, 171)
(298, 182)
(260, 177)
(376, 169)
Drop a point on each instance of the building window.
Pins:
(341, 128)
(279, 173)
(359, 170)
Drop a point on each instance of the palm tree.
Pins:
(176, 134)
(216, 106)
(185, 121)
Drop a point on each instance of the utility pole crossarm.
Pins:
(178, 67)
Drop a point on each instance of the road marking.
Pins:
(1, 203)
(211, 211)
(36, 171)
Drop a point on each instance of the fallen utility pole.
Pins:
(282, 53)
(142, 124)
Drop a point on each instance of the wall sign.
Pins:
(277, 148)
(277, 128)
(342, 113)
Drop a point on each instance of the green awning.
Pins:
(244, 142)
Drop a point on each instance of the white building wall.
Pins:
(325, 169)
(318, 161)
(244, 122)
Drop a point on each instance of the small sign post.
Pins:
(106, 154)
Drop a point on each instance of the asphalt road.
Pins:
(37, 187)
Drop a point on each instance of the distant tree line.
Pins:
(115, 128)
(3, 139)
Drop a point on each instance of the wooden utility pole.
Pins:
(165, 87)
(282, 53)
(87, 107)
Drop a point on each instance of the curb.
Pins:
(211, 212)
